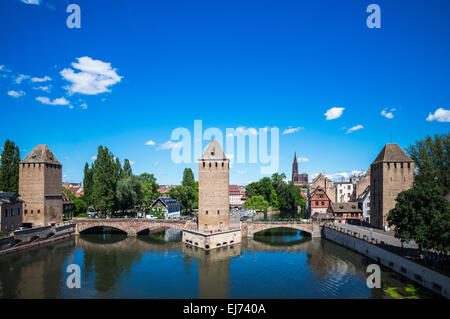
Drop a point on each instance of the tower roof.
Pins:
(213, 151)
(41, 154)
(391, 152)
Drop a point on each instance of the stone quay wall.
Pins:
(424, 276)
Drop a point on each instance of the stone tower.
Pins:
(295, 169)
(40, 186)
(213, 181)
(390, 173)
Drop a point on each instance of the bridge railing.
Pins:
(282, 221)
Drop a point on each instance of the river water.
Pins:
(277, 264)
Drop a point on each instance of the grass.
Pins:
(408, 292)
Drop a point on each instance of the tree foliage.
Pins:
(422, 213)
(9, 169)
(257, 202)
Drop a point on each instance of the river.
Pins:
(276, 264)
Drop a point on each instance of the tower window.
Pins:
(209, 164)
(26, 211)
(223, 164)
(216, 164)
(203, 164)
(218, 212)
(31, 212)
(409, 166)
(206, 213)
(39, 211)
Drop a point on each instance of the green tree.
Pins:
(9, 169)
(106, 172)
(188, 178)
(422, 214)
(149, 189)
(80, 205)
(274, 200)
(88, 184)
(128, 192)
(257, 202)
(126, 170)
(185, 195)
(431, 157)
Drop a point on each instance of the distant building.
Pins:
(235, 196)
(322, 181)
(10, 211)
(68, 206)
(362, 183)
(346, 213)
(169, 206)
(40, 186)
(75, 188)
(298, 179)
(391, 173)
(345, 191)
(364, 204)
(318, 203)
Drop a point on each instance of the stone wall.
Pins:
(213, 199)
(426, 277)
(387, 181)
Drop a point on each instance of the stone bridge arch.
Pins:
(251, 228)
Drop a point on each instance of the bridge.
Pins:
(131, 226)
(251, 228)
(135, 226)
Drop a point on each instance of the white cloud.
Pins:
(303, 159)
(37, 2)
(4, 69)
(334, 113)
(246, 131)
(21, 77)
(132, 162)
(44, 79)
(338, 176)
(241, 172)
(58, 101)
(150, 142)
(95, 76)
(354, 128)
(84, 106)
(43, 88)
(169, 145)
(389, 114)
(93, 158)
(16, 93)
(156, 163)
(440, 115)
(291, 130)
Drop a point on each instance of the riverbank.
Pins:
(422, 275)
(25, 239)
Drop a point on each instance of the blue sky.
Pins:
(136, 70)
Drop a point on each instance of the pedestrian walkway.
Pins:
(371, 234)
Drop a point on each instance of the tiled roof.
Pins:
(350, 207)
(213, 151)
(391, 152)
(234, 190)
(41, 154)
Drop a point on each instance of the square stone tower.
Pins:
(40, 186)
(391, 173)
(213, 181)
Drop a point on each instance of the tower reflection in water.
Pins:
(213, 269)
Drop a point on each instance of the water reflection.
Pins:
(285, 264)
